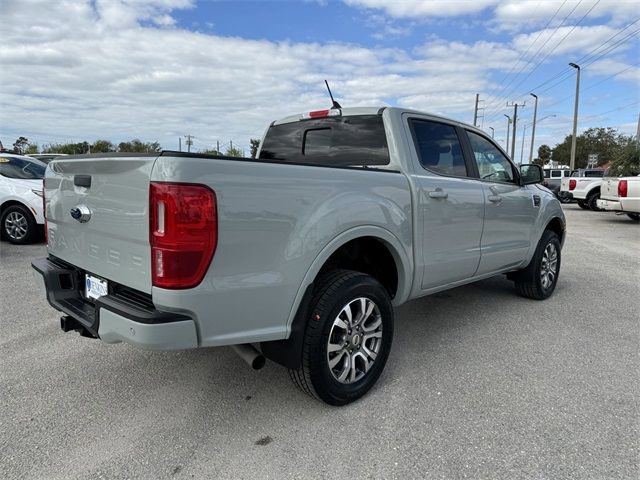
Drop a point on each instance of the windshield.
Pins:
(16, 167)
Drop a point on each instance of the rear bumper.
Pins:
(609, 205)
(124, 315)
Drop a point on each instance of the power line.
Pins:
(612, 110)
(535, 55)
(495, 89)
(586, 60)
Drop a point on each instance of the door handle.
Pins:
(495, 198)
(438, 193)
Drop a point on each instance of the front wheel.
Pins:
(18, 225)
(538, 279)
(634, 216)
(347, 339)
(583, 204)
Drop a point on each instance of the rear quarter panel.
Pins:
(276, 225)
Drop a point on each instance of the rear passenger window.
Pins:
(556, 174)
(438, 147)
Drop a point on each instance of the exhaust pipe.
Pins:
(250, 354)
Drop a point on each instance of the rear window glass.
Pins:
(333, 141)
(14, 167)
(594, 173)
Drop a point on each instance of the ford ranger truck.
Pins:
(298, 256)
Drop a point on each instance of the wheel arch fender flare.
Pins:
(287, 352)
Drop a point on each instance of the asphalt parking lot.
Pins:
(480, 384)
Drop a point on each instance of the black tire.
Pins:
(634, 216)
(583, 204)
(592, 200)
(334, 292)
(529, 280)
(18, 225)
(564, 198)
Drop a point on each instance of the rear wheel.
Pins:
(538, 280)
(634, 216)
(583, 204)
(347, 339)
(592, 202)
(18, 225)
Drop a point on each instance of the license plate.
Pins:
(95, 287)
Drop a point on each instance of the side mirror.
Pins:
(531, 174)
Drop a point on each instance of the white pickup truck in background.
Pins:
(584, 186)
(621, 195)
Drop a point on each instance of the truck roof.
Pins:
(352, 111)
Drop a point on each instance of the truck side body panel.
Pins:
(273, 221)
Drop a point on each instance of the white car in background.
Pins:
(21, 209)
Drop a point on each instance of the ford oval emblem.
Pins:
(81, 213)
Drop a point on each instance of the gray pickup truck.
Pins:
(299, 255)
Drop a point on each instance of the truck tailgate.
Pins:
(113, 242)
(609, 189)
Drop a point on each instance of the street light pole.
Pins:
(524, 131)
(533, 130)
(492, 132)
(572, 163)
(508, 128)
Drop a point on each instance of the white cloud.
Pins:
(425, 8)
(85, 70)
(578, 39)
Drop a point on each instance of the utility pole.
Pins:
(572, 163)
(475, 111)
(179, 144)
(515, 123)
(506, 145)
(492, 132)
(218, 147)
(189, 142)
(638, 133)
(533, 130)
(231, 146)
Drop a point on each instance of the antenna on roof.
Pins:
(334, 103)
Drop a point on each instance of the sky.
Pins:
(74, 70)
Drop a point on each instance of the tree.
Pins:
(627, 163)
(606, 143)
(136, 146)
(20, 145)
(233, 152)
(255, 143)
(212, 151)
(68, 148)
(31, 149)
(102, 146)
(544, 153)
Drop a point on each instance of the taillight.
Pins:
(622, 188)
(572, 184)
(183, 232)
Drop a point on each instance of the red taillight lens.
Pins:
(572, 184)
(183, 232)
(622, 188)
